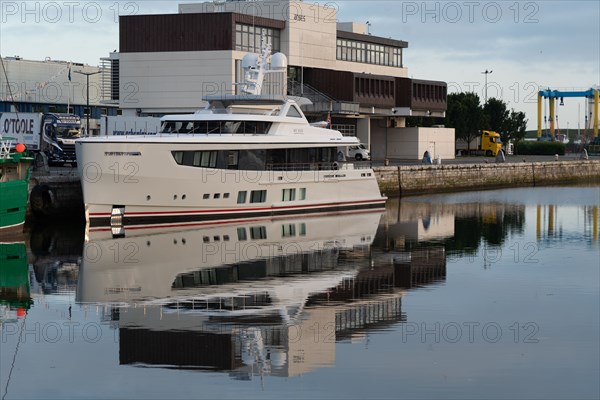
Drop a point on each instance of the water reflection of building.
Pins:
(202, 300)
(458, 227)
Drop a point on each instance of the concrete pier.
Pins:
(55, 193)
(407, 180)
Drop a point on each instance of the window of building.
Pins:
(356, 51)
(248, 38)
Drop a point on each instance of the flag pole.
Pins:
(69, 94)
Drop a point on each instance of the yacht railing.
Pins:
(319, 166)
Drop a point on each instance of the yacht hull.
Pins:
(140, 184)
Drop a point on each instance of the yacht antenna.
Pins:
(255, 74)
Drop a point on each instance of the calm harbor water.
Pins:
(491, 294)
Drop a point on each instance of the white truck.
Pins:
(53, 134)
(358, 152)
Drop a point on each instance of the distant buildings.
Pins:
(44, 86)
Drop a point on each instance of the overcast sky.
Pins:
(527, 44)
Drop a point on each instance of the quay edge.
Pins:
(406, 180)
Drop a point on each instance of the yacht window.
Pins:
(178, 155)
(241, 232)
(196, 158)
(288, 194)
(302, 194)
(293, 112)
(258, 232)
(241, 197)
(302, 229)
(232, 159)
(258, 196)
(231, 126)
(288, 230)
(217, 196)
(216, 127)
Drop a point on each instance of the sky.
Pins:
(528, 45)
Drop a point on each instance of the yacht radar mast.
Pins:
(256, 66)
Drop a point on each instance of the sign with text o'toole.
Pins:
(23, 127)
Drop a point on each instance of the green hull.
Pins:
(14, 275)
(13, 203)
(14, 189)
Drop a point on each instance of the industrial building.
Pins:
(166, 63)
(56, 86)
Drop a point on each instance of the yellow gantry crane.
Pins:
(552, 95)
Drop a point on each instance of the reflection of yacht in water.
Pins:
(225, 297)
(212, 260)
(253, 299)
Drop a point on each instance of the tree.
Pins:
(511, 125)
(465, 115)
(516, 126)
(496, 117)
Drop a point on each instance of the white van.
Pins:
(359, 152)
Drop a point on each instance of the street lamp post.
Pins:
(486, 72)
(87, 83)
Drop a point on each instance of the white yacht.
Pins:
(243, 157)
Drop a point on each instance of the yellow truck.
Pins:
(488, 143)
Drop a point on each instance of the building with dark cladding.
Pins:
(167, 63)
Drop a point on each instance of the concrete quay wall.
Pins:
(406, 180)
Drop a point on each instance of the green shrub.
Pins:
(540, 148)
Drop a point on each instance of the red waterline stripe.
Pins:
(240, 210)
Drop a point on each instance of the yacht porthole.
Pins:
(174, 197)
(183, 197)
(148, 198)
